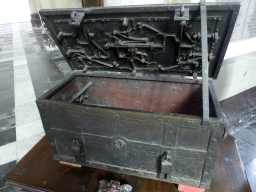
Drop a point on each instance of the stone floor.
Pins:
(27, 70)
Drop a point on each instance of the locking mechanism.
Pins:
(181, 14)
(78, 151)
(166, 166)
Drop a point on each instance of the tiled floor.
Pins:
(7, 114)
(28, 68)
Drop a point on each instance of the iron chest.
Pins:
(137, 103)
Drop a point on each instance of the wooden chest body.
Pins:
(141, 119)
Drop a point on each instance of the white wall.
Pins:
(68, 3)
(240, 74)
(36, 5)
(12, 11)
(134, 2)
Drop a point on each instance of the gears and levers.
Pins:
(135, 45)
(189, 53)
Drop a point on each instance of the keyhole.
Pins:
(119, 144)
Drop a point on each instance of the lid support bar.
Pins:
(205, 66)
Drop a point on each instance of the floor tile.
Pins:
(38, 76)
(6, 104)
(7, 123)
(3, 52)
(8, 153)
(64, 68)
(38, 82)
(23, 87)
(250, 169)
(7, 84)
(7, 136)
(38, 48)
(26, 113)
(19, 60)
(33, 68)
(8, 42)
(32, 59)
(2, 181)
(7, 189)
(50, 68)
(20, 67)
(246, 150)
(6, 75)
(54, 83)
(253, 125)
(6, 94)
(6, 69)
(24, 98)
(7, 48)
(25, 145)
(5, 168)
(248, 135)
(5, 55)
(6, 59)
(5, 113)
(27, 117)
(40, 93)
(57, 56)
(21, 75)
(26, 108)
(29, 129)
(56, 75)
(29, 49)
(6, 64)
(42, 86)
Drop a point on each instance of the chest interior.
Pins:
(141, 95)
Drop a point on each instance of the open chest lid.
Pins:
(152, 39)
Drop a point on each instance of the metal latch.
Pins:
(205, 64)
(78, 150)
(181, 14)
(166, 166)
(80, 93)
(76, 18)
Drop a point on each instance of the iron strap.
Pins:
(205, 66)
